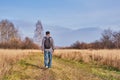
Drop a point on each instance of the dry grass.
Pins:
(21, 64)
(9, 57)
(102, 57)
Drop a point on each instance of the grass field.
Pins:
(67, 65)
(109, 58)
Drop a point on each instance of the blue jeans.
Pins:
(48, 58)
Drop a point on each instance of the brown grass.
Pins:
(10, 57)
(102, 57)
(62, 69)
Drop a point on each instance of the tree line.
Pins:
(11, 39)
(109, 40)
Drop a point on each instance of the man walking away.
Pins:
(48, 48)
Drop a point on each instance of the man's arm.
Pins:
(53, 45)
(42, 44)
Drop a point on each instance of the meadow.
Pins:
(110, 58)
(9, 57)
(68, 64)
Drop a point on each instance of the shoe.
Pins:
(46, 66)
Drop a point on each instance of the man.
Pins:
(48, 48)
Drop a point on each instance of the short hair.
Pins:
(47, 32)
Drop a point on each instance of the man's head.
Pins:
(47, 33)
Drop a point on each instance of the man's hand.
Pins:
(53, 50)
(42, 51)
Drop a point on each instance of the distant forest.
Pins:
(109, 40)
(11, 39)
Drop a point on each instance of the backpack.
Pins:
(47, 43)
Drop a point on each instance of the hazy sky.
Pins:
(66, 13)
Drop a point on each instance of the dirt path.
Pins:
(32, 68)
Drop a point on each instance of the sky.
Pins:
(72, 14)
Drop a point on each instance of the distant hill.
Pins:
(62, 36)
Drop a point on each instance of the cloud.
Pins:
(73, 14)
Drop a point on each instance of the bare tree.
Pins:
(107, 39)
(38, 35)
(76, 45)
(116, 39)
(29, 44)
(10, 38)
(7, 31)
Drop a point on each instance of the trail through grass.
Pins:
(32, 68)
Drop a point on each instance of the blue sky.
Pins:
(72, 14)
